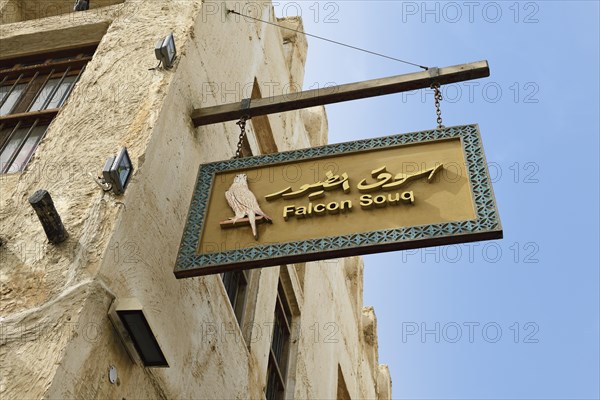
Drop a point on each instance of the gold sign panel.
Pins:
(404, 191)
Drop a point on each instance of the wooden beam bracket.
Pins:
(434, 72)
(245, 104)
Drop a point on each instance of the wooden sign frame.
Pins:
(485, 226)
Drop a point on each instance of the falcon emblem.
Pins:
(243, 203)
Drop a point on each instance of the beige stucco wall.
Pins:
(56, 339)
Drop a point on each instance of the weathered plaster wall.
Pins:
(108, 109)
(10, 11)
(57, 341)
(23, 10)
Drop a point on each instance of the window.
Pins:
(301, 272)
(32, 91)
(23, 10)
(236, 285)
(280, 348)
(342, 389)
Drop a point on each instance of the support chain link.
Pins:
(242, 124)
(438, 98)
(437, 95)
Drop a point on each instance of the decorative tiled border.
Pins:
(190, 263)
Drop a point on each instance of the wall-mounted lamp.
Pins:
(136, 332)
(165, 51)
(81, 5)
(117, 171)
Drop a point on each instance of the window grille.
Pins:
(280, 346)
(236, 284)
(32, 91)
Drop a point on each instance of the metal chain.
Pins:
(242, 124)
(438, 98)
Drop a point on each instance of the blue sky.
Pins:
(527, 306)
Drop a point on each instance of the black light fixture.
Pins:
(117, 171)
(136, 332)
(165, 50)
(42, 203)
(81, 5)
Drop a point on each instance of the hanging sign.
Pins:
(398, 192)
